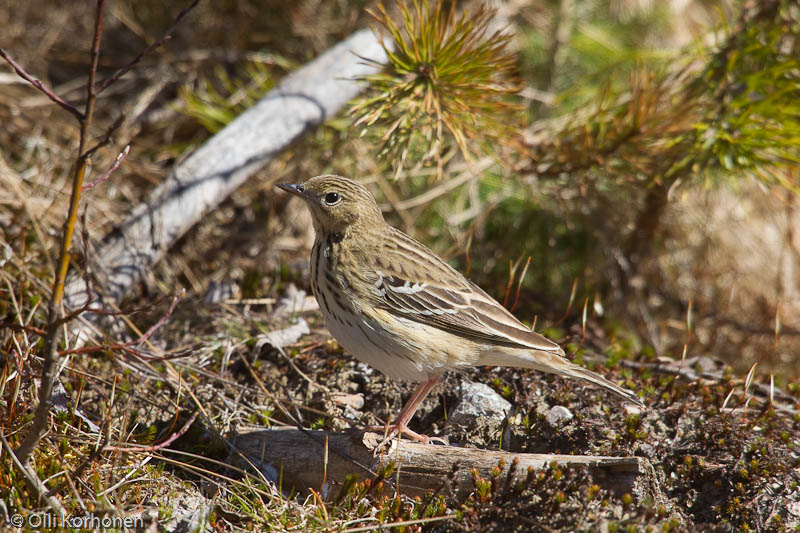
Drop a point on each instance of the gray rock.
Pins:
(558, 415)
(479, 401)
(188, 512)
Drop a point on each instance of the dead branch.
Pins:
(22, 73)
(300, 456)
(164, 37)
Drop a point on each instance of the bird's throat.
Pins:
(333, 238)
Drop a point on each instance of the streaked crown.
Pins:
(338, 204)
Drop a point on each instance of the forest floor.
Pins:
(723, 444)
(725, 457)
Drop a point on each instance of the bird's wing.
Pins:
(412, 282)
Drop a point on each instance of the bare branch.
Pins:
(39, 85)
(155, 447)
(167, 34)
(163, 319)
(122, 155)
(106, 137)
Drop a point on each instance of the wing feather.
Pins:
(414, 283)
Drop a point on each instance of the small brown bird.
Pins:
(395, 305)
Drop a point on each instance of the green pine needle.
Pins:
(447, 81)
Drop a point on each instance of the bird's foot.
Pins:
(397, 430)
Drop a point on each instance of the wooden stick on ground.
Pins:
(300, 455)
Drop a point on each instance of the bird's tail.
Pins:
(577, 371)
(556, 363)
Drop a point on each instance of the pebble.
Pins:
(479, 401)
(356, 401)
(631, 410)
(558, 415)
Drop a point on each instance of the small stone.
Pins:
(479, 401)
(219, 292)
(558, 415)
(794, 508)
(631, 410)
(646, 450)
(356, 401)
(793, 516)
(365, 371)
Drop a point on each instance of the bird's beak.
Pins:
(293, 188)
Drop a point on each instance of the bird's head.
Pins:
(338, 204)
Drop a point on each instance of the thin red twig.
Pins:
(40, 86)
(122, 155)
(128, 346)
(106, 139)
(105, 312)
(167, 34)
(19, 327)
(172, 438)
(163, 319)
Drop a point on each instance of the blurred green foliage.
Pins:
(216, 102)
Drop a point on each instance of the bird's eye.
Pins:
(300, 188)
(332, 198)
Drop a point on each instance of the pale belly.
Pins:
(398, 347)
(365, 340)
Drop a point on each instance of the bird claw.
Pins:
(394, 431)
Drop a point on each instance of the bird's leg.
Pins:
(400, 424)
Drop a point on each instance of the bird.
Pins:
(397, 306)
